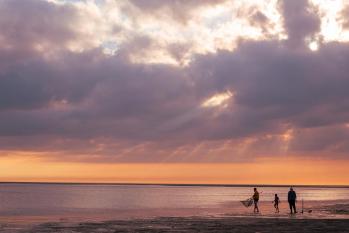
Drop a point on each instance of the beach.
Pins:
(189, 224)
(160, 208)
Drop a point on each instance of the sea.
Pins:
(52, 201)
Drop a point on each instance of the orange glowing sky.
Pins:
(266, 171)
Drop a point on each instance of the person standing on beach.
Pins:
(292, 198)
(255, 200)
(276, 203)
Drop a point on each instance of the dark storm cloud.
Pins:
(299, 21)
(322, 140)
(25, 24)
(89, 103)
(37, 82)
(278, 89)
(29, 30)
(276, 85)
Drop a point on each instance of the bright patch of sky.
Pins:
(111, 24)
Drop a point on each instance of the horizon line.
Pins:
(174, 184)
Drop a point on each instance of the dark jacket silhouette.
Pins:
(292, 197)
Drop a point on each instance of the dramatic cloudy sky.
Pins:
(238, 83)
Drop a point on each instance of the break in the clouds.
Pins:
(174, 81)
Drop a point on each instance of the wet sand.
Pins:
(323, 218)
(191, 224)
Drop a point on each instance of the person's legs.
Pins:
(256, 210)
(294, 206)
(290, 204)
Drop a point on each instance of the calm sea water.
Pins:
(18, 200)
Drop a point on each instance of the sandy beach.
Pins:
(337, 220)
(190, 224)
(76, 208)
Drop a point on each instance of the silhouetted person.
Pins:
(292, 198)
(255, 200)
(276, 203)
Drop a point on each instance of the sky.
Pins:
(182, 91)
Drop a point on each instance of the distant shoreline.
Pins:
(178, 185)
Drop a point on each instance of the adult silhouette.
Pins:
(255, 200)
(292, 198)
